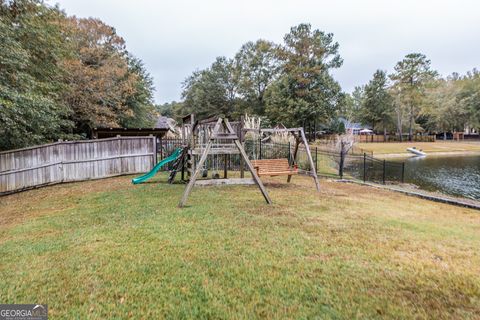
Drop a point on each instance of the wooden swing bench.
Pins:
(274, 167)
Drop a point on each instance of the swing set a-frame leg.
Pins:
(203, 158)
(310, 159)
(194, 177)
(295, 151)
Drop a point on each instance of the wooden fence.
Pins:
(393, 138)
(75, 161)
(362, 138)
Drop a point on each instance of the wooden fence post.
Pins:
(154, 149)
(61, 156)
(161, 148)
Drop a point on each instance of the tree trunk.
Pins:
(341, 164)
(410, 124)
(399, 126)
(342, 159)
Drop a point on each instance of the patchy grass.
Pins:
(380, 148)
(108, 249)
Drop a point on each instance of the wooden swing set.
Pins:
(282, 167)
(218, 136)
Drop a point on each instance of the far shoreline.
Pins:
(440, 153)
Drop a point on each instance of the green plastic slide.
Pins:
(157, 167)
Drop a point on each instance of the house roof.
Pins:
(100, 133)
(162, 123)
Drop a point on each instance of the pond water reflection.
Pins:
(455, 175)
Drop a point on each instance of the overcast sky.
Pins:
(176, 37)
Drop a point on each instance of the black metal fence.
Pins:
(327, 163)
(368, 168)
(358, 166)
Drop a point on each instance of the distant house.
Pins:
(470, 130)
(355, 127)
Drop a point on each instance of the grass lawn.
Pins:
(429, 147)
(107, 249)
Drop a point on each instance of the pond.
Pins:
(455, 175)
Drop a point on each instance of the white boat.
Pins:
(416, 151)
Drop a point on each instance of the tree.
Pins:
(469, 96)
(347, 107)
(30, 77)
(355, 104)
(171, 109)
(452, 102)
(140, 101)
(61, 76)
(106, 87)
(410, 79)
(213, 91)
(444, 111)
(377, 106)
(258, 66)
(305, 90)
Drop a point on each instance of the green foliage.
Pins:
(346, 107)
(232, 87)
(469, 96)
(418, 99)
(30, 77)
(106, 85)
(288, 84)
(353, 105)
(258, 66)
(140, 102)
(171, 109)
(410, 80)
(212, 91)
(453, 103)
(305, 90)
(336, 126)
(61, 76)
(377, 104)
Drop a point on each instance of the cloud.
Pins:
(174, 38)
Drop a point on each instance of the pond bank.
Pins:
(432, 196)
(433, 154)
(399, 149)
